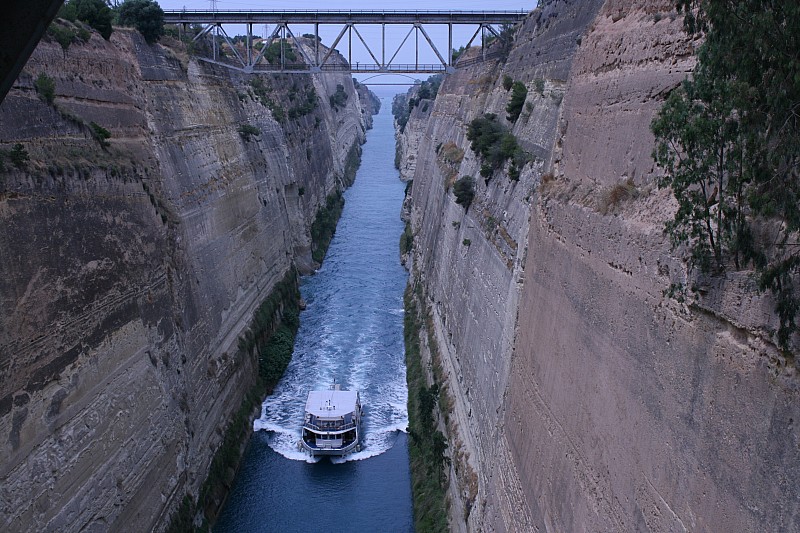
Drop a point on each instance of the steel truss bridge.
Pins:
(317, 59)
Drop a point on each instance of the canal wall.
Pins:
(162, 201)
(584, 397)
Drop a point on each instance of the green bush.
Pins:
(495, 145)
(62, 34)
(95, 13)
(518, 95)
(538, 84)
(247, 131)
(464, 190)
(305, 104)
(429, 88)
(46, 87)
(324, 225)
(406, 240)
(100, 134)
(426, 444)
(144, 15)
(18, 155)
(508, 82)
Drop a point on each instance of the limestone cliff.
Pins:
(584, 399)
(132, 264)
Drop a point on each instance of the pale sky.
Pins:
(394, 34)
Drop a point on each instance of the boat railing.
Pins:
(330, 427)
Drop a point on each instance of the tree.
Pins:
(46, 87)
(518, 95)
(464, 190)
(729, 142)
(18, 155)
(144, 15)
(95, 13)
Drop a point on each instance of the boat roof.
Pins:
(331, 403)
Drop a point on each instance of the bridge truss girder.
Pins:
(317, 58)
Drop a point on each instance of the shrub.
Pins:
(95, 13)
(305, 105)
(429, 88)
(339, 98)
(617, 194)
(464, 191)
(100, 134)
(538, 84)
(494, 145)
(466, 242)
(18, 155)
(324, 226)
(273, 51)
(46, 87)
(61, 34)
(518, 95)
(508, 82)
(406, 240)
(247, 131)
(144, 15)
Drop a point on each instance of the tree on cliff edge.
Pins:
(729, 141)
(95, 13)
(144, 15)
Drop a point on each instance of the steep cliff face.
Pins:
(584, 398)
(130, 271)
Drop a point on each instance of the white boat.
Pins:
(332, 423)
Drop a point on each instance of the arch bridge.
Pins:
(250, 56)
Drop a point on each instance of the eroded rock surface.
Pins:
(130, 271)
(585, 399)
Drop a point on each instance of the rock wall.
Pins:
(130, 271)
(584, 398)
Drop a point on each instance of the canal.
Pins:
(351, 331)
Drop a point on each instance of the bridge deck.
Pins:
(343, 17)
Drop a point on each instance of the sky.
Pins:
(394, 34)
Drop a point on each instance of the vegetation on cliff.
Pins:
(729, 141)
(324, 225)
(518, 95)
(464, 190)
(494, 144)
(404, 104)
(144, 15)
(426, 445)
(95, 13)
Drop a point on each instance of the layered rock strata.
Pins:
(585, 399)
(132, 264)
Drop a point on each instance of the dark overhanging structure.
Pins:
(250, 59)
(23, 24)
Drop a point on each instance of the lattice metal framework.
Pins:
(317, 58)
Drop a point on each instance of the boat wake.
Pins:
(374, 368)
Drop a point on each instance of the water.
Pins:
(351, 331)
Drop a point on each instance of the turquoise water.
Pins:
(351, 331)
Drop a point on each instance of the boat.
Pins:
(332, 422)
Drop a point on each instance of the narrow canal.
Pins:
(352, 331)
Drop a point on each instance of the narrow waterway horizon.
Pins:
(350, 332)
